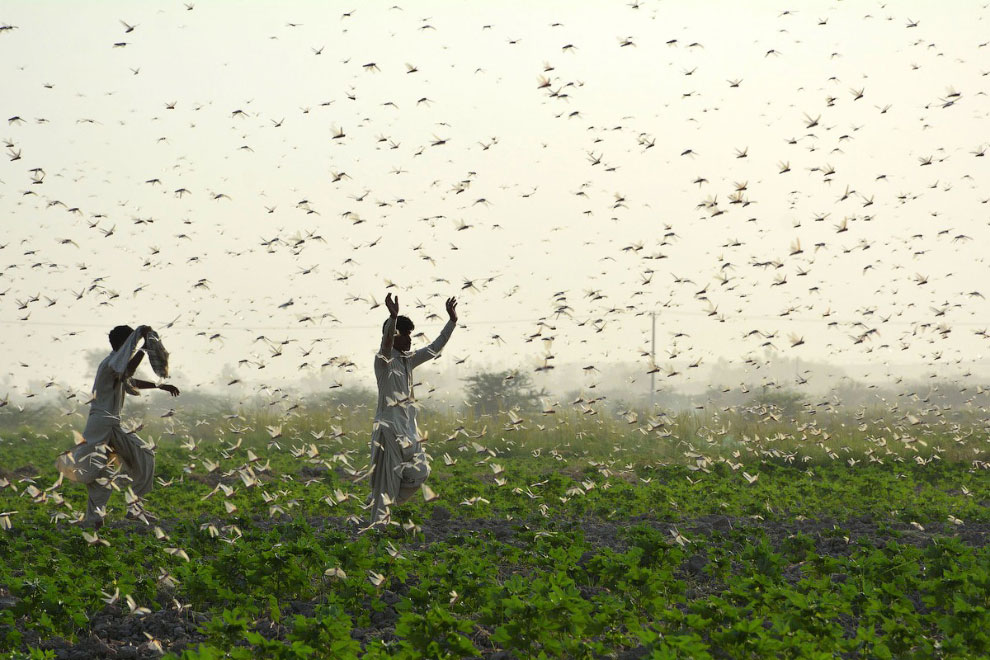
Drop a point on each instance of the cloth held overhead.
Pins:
(157, 355)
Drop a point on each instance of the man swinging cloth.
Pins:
(87, 462)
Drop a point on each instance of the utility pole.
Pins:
(653, 357)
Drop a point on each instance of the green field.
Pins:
(575, 534)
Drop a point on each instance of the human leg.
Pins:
(414, 474)
(386, 460)
(137, 461)
(87, 464)
(98, 495)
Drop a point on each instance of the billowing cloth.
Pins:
(88, 463)
(157, 355)
(399, 466)
(92, 465)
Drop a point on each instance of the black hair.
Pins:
(403, 324)
(119, 335)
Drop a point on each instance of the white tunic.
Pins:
(399, 466)
(396, 409)
(108, 392)
(87, 463)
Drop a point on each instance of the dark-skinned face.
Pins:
(402, 342)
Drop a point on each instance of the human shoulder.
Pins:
(382, 363)
(104, 367)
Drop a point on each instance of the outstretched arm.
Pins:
(388, 336)
(148, 385)
(433, 350)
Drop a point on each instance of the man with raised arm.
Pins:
(399, 465)
(103, 435)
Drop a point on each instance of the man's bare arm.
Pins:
(429, 352)
(133, 364)
(388, 336)
(147, 385)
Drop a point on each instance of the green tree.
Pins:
(488, 392)
(784, 401)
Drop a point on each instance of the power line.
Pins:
(66, 324)
(484, 322)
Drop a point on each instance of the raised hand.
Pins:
(392, 304)
(452, 308)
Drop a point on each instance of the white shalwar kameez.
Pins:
(399, 465)
(87, 462)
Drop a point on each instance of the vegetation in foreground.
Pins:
(564, 534)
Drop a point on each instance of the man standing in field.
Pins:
(87, 463)
(399, 464)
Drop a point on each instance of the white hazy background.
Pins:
(573, 210)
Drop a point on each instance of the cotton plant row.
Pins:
(552, 549)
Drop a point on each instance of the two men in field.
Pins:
(89, 462)
(399, 465)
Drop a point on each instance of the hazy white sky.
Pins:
(587, 203)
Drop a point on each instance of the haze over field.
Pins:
(777, 182)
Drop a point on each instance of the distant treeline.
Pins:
(491, 393)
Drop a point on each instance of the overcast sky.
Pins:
(806, 182)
